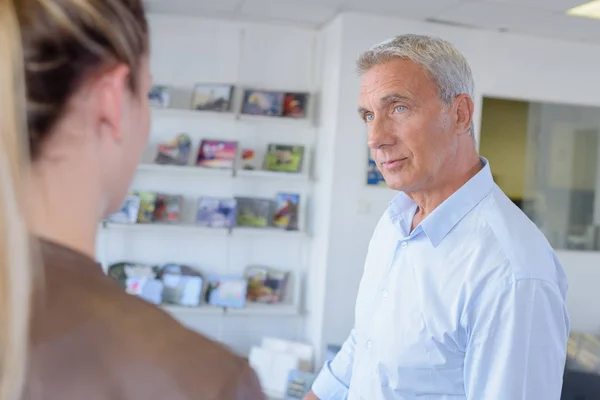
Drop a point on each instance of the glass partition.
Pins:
(544, 156)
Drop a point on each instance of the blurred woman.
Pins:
(74, 119)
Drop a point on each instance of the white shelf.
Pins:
(185, 170)
(231, 116)
(265, 309)
(189, 113)
(186, 311)
(262, 174)
(266, 232)
(203, 230)
(188, 170)
(303, 122)
(249, 309)
(163, 228)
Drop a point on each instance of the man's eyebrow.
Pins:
(390, 98)
(361, 111)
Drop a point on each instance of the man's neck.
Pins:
(63, 207)
(428, 200)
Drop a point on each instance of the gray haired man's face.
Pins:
(410, 130)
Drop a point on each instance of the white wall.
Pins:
(321, 205)
(504, 65)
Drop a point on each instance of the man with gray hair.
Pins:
(462, 297)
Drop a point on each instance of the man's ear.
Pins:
(464, 112)
(111, 89)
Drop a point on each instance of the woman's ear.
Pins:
(111, 102)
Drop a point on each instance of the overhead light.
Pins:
(589, 10)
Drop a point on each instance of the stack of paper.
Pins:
(273, 361)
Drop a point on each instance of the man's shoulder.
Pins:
(503, 231)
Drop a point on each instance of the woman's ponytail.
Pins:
(15, 267)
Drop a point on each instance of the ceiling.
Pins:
(544, 18)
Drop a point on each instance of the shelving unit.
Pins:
(247, 57)
(215, 250)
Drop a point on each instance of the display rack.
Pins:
(228, 250)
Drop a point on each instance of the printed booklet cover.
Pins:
(217, 154)
(216, 213)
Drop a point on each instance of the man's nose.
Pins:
(381, 132)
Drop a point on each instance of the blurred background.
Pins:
(537, 120)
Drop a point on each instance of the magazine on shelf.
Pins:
(266, 285)
(284, 158)
(167, 208)
(262, 102)
(286, 211)
(217, 154)
(147, 207)
(176, 151)
(254, 212)
(226, 291)
(294, 105)
(139, 280)
(216, 213)
(212, 97)
(183, 286)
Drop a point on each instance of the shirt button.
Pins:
(404, 245)
(369, 344)
(384, 294)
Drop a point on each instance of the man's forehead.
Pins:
(382, 90)
(400, 77)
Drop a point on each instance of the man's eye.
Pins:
(369, 117)
(400, 109)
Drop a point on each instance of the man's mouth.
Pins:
(393, 163)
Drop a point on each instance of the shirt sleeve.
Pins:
(333, 381)
(516, 343)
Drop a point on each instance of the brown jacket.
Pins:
(93, 341)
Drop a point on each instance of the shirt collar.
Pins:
(441, 220)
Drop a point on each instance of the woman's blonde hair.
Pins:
(15, 276)
(48, 48)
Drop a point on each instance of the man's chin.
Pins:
(394, 183)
